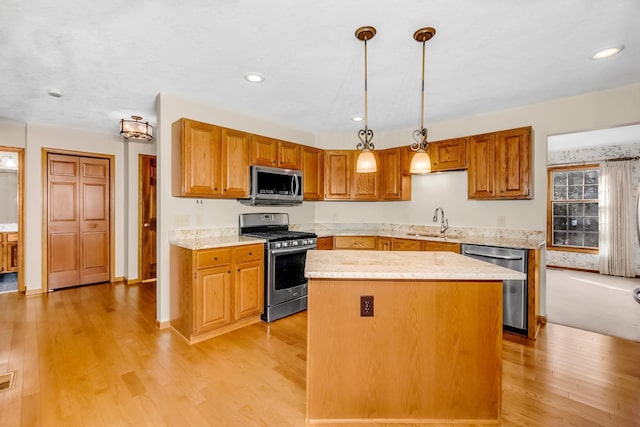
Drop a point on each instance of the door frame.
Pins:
(141, 158)
(45, 209)
(20, 189)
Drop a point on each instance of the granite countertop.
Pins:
(355, 264)
(210, 242)
(494, 240)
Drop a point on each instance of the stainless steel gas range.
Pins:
(285, 253)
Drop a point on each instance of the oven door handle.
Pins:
(290, 250)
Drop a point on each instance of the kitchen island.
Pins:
(403, 337)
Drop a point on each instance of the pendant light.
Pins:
(421, 162)
(366, 162)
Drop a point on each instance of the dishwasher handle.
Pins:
(503, 257)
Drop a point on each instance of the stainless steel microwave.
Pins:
(274, 186)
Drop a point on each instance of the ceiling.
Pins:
(110, 59)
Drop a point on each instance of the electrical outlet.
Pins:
(366, 305)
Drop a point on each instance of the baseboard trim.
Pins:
(30, 292)
(133, 281)
(560, 267)
(163, 325)
(585, 270)
(118, 280)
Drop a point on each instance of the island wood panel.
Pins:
(431, 352)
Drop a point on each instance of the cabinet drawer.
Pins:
(248, 253)
(442, 246)
(406, 245)
(355, 242)
(325, 243)
(212, 258)
(11, 237)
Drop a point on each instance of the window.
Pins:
(573, 208)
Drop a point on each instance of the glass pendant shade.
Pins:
(366, 162)
(420, 163)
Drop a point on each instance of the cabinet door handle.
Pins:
(146, 225)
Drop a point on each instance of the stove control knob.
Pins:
(295, 243)
(285, 244)
(304, 242)
(277, 245)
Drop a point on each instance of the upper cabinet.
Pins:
(338, 166)
(449, 154)
(500, 165)
(209, 161)
(274, 152)
(235, 165)
(342, 182)
(196, 159)
(446, 155)
(394, 184)
(312, 162)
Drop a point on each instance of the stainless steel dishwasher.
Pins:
(514, 292)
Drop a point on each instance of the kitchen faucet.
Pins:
(444, 223)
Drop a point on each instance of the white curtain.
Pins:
(616, 230)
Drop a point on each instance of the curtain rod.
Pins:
(619, 159)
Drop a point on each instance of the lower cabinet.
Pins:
(214, 291)
(355, 242)
(325, 243)
(8, 252)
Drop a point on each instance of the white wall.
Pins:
(35, 137)
(594, 155)
(449, 189)
(586, 112)
(132, 152)
(179, 212)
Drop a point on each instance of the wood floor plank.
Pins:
(93, 356)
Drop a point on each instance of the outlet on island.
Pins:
(366, 305)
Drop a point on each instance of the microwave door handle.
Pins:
(294, 182)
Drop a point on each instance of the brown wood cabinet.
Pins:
(214, 291)
(432, 245)
(8, 252)
(401, 244)
(325, 243)
(394, 184)
(398, 244)
(312, 163)
(342, 182)
(274, 152)
(235, 163)
(337, 174)
(449, 154)
(355, 242)
(209, 161)
(500, 165)
(384, 243)
(196, 159)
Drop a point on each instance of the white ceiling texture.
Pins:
(110, 59)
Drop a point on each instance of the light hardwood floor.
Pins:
(92, 356)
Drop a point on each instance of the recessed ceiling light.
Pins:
(56, 93)
(608, 52)
(254, 77)
(357, 118)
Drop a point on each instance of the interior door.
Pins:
(147, 253)
(78, 220)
